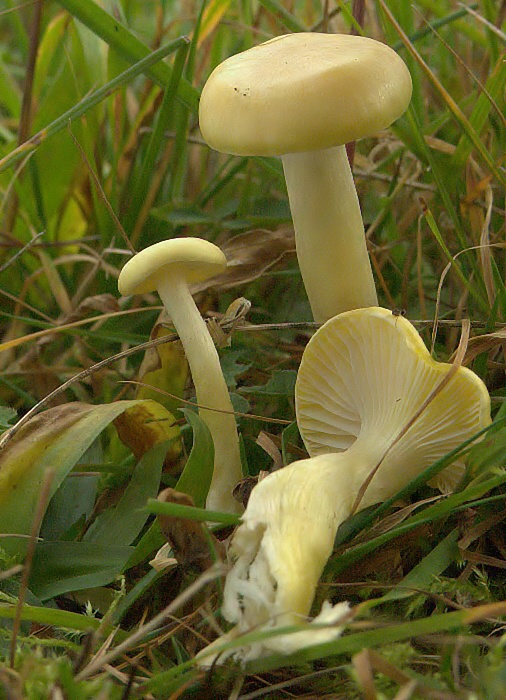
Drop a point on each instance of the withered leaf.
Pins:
(147, 424)
(484, 343)
(190, 540)
(249, 255)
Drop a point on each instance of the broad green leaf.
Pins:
(122, 524)
(289, 436)
(198, 472)
(70, 506)
(141, 587)
(7, 417)
(281, 383)
(53, 440)
(60, 567)
(150, 542)
(195, 481)
(232, 367)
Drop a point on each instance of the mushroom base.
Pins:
(279, 553)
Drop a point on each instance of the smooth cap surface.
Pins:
(194, 258)
(303, 92)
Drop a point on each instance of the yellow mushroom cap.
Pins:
(194, 258)
(303, 92)
(363, 376)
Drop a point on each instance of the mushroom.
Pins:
(374, 412)
(302, 97)
(169, 267)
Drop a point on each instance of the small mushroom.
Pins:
(302, 97)
(372, 418)
(169, 267)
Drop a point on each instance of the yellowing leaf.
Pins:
(163, 367)
(145, 425)
(250, 255)
(55, 439)
(212, 17)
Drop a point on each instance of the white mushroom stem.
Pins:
(284, 540)
(279, 552)
(329, 232)
(287, 534)
(210, 388)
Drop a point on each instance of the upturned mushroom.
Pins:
(374, 412)
(169, 267)
(302, 97)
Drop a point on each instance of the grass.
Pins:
(100, 154)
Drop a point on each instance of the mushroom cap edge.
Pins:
(312, 389)
(195, 258)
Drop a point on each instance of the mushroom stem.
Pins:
(285, 538)
(329, 232)
(374, 410)
(210, 387)
(279, 552)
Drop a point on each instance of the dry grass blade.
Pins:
(15, 342)
(368, 661)
(21, 251)
(96, 664)
(483, 20)
(484, 343)
(436, 322)
(279, 421)
(485, 252)
(453, 107)
(363, 669)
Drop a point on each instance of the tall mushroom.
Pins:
(370, 403)
(169, 267)
(302, 97)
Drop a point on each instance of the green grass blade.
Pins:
(198, 514)
(468, 29)
(122, 523)
(51, 617)
(283, 16)
(352, 643)
(140, 186)
(125, 43)
(431, 566)
(442, 509)
(452, 106)
(88, 102)
(347, 645)
(471, 288)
